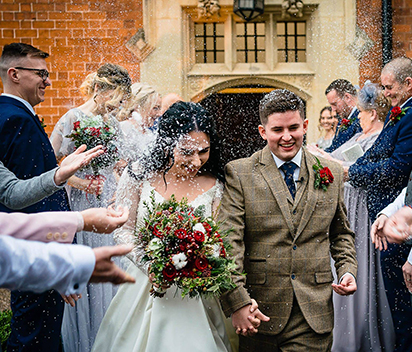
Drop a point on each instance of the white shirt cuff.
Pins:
(348, 273)
(85, 261)
(410, 257)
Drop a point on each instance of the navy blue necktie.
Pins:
(288, 169)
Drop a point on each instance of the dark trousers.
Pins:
(36, 322)
(398, 295)
(297, 336)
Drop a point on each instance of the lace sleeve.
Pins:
(63, 146)
(128, 194)
(217, 198)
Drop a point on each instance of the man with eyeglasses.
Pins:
(26, 151)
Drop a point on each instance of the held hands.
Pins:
(105, 269)
(73, 162)
(346, 287)
(247, 319)
(398, 228)
(104, 220)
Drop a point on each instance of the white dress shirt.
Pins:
(38, 267)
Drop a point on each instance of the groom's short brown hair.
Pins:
(280, 100)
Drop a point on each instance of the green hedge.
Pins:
(5, 318)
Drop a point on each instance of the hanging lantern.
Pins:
(248, 9)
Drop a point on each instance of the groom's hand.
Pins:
(377, 235)
(346, 287)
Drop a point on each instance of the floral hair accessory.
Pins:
(396, 114)
(323, 176)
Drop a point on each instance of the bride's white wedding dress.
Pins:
(137, 322)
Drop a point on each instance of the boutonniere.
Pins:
(396, 114)
(323, 176)
(345, 123)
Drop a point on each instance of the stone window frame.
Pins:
(230, 66)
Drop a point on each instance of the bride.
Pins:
(185, 162)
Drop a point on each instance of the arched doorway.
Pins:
(236, 113)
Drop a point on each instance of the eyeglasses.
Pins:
(42, 73)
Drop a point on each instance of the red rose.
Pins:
(157, 232)
(329, 174)
(181, 234)
(199, 236)
(169, 272)
(344, 122)
(201, 263)
(76, 125)
(396, 111)
(322, 174)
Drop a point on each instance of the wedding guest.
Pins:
(383, 171)
(184, 162)
(38, 267)
(284, 227)
(352, 332)
(26, 151)
(111, 88)
(168, 100)
(137, 117)
(341, 95)
(326, 127)
(17, 194)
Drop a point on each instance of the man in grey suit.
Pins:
(285, 208)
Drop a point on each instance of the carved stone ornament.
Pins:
(361, 44)
(208, 8)
(138, 46)
(292, 8)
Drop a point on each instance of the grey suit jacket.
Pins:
(284, 245)
(18, 194)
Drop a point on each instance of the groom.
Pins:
(284, 225)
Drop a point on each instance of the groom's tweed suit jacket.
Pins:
(283, 245)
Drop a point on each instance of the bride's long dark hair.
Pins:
(179, 120)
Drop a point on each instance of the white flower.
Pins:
(179, 261)
(199, 227)
(216, 250)
(155, 244)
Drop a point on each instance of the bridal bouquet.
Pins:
(93, 131)
(185, 249)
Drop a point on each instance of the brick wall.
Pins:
(79, 35)
(369, 20)
(402, 28)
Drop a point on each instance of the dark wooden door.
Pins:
(237, 121)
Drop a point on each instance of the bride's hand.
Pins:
(89, 186)
(71, 299)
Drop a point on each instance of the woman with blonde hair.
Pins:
(138, 117)
(106, 90)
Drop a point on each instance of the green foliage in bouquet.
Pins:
(5, 327)
(186, 249)
(94, 131)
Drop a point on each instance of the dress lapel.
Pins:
(277, 185)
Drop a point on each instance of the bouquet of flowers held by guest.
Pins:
(93, 131)
(185, 249)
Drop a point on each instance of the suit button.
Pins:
(294, 212)
(76, 286)
(56, 235)
(293, 276)
(49, 236)
(64, 235)
(294, 247)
